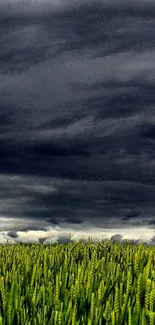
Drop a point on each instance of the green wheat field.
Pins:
(77, 283)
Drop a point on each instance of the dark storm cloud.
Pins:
(49, 149)
(12, 234)
(116, 238)
(103, 30)
(77, 121)
(131, 214)
(74, 220)
(72, 201)
(148, 131)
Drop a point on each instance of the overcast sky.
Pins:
(77, 120)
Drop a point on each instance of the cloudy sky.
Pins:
(77, 120)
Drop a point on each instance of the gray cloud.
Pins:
(77, 122)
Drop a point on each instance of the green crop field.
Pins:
(74, 284)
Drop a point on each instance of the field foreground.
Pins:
(77, 284)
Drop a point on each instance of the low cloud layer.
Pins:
(77, 121)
